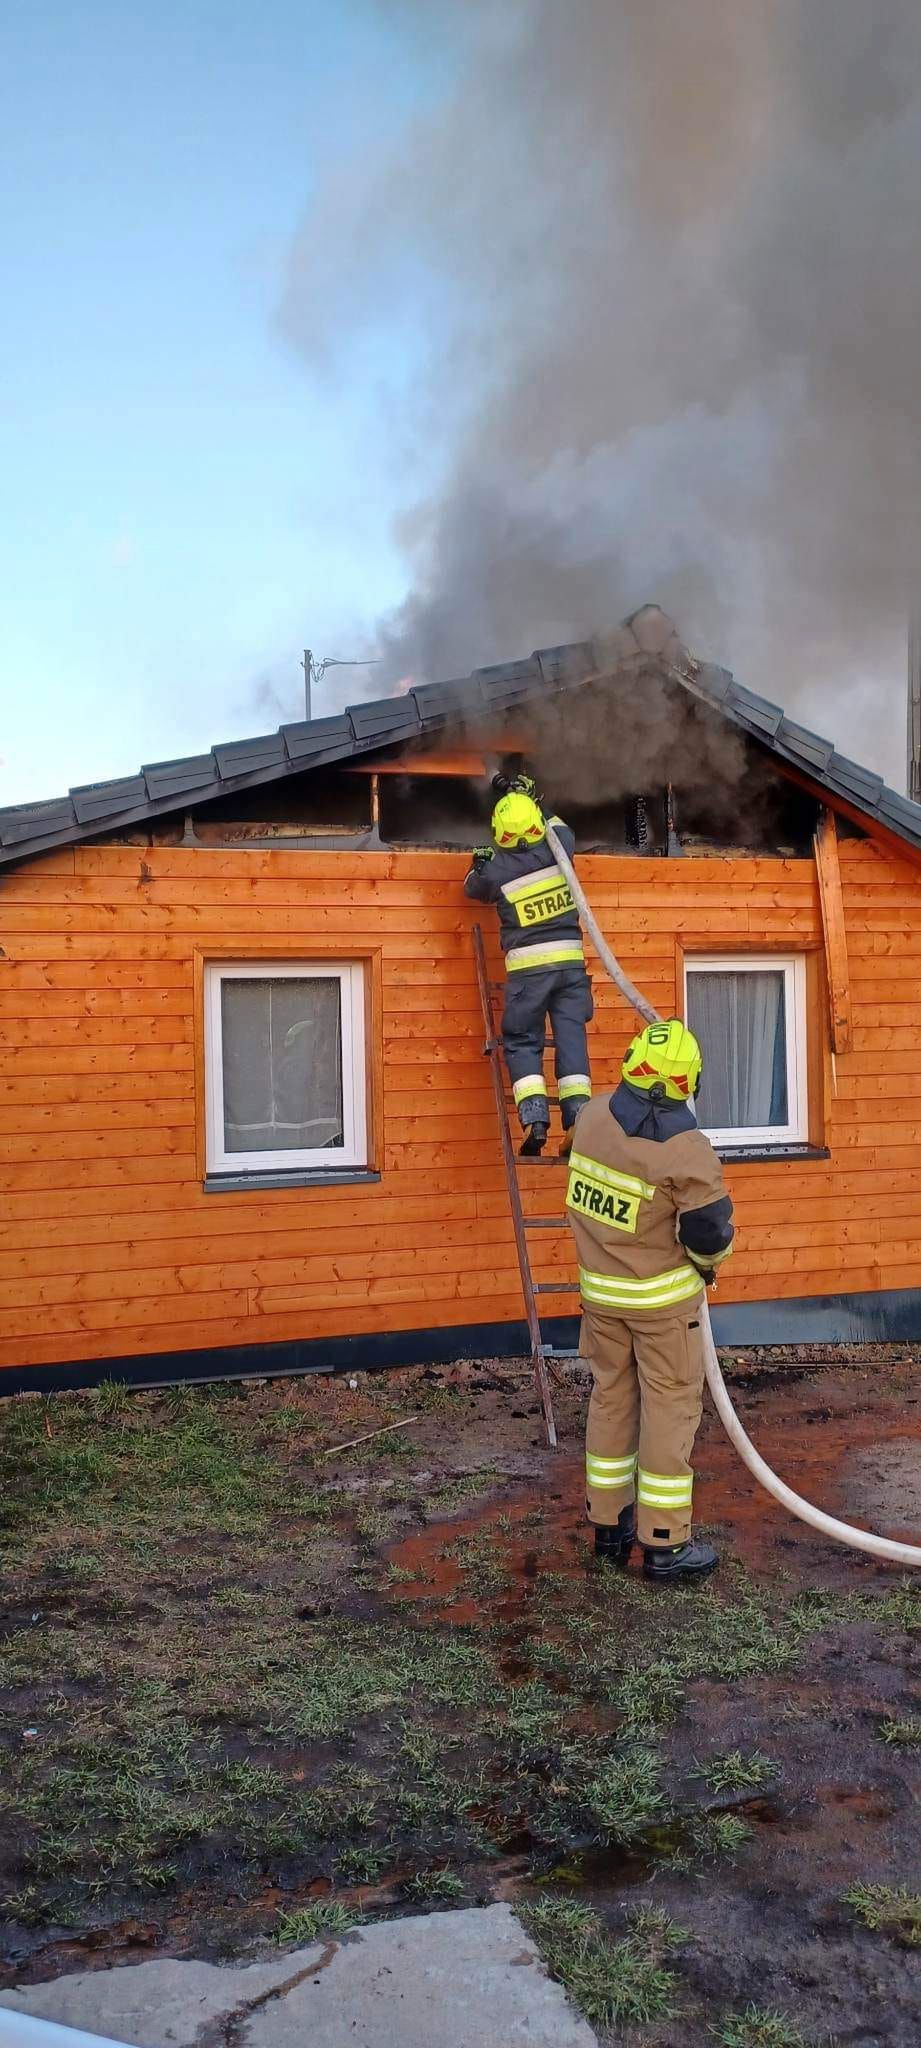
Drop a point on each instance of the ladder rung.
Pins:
(545, 1222)
(557, 1287)
(539, 1162)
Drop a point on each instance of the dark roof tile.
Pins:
(807, 746)
(898, 811)
(311, 736)
(560, 665)
(246, 757)
(34, 821)
(174, 778)
(716, 682)
(107, 799)
(861, 784)
(757, 712)
(385, 718)
(386, 721)
(440, 703)
(509, 678)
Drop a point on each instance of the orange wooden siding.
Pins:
(109, 1243)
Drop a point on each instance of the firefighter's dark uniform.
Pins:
(651, 1219)
(541, 939)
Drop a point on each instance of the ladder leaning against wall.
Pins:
(542, 1352)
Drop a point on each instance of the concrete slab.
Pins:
(471, 1978)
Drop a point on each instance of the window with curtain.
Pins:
(749, 1015)
(285, 1066)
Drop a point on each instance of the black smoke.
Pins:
(661, 264)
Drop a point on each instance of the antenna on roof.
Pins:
(314, 671)
(913, 778)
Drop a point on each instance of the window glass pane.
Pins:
(741, 1022)
(282, 1064)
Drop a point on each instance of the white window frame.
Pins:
(354, 1149)
(793, 968)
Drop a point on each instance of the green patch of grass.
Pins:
(612, 1981)
(900, 1607)
(435, 1887)
(734, 1772)
(113, 1455)
(320, 1921)
(116, 1807)
(392, 1443)
(888, 1909)
(372, 1524)
(721, 1834)
(902, 1732)
(757, 2027)
(467, 1486)
(625, 1796)
(72, 1562)
(360, 1864)
(656, 1928)
(528, 1715)
(649, 1698)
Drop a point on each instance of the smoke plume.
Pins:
(658, 266)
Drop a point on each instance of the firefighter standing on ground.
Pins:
(651, 1219)
(541, 939)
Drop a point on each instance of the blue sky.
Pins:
(270, 273)
(184, 503)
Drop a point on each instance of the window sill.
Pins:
(741, 1154)
(307, 1177)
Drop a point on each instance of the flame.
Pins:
(403, 687)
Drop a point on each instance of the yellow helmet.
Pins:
(515, 818)
(666, 1054)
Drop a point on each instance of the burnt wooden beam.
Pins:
(834, 930)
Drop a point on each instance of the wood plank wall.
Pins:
(109, 1244)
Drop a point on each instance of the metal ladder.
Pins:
(541, 1352)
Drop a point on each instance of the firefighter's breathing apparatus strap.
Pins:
(827, 1525)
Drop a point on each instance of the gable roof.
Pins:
(93, 809)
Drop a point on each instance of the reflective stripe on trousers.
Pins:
(530, 1084)
(657, 1490)
(616, 1472)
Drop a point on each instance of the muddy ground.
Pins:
(254, 1684)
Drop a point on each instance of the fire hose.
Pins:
(827, 1525)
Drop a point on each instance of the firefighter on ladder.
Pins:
(651, 1220)
(541, 940)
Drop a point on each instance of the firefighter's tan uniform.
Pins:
(651, 1219)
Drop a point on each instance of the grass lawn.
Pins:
(255, 1690)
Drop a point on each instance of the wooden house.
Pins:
(247, 1120)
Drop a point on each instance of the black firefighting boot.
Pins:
(534, 1141)
(680, 1561)
(613, 1544)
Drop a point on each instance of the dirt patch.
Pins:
(243, 1676)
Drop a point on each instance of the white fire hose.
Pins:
(827, 1525)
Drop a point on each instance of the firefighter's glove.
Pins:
(482, 855)
(523, 785)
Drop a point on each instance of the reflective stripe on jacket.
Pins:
(625, 1200)
(538, 920)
